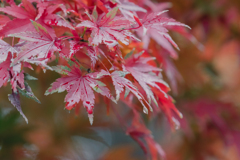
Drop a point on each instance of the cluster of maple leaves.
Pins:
(93, 41)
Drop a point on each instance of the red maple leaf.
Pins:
(4, 20)
(46, 13)
(169, 68)
(167, 106)
(142, 135)
(26, 12)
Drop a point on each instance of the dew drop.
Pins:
(145, 110)
(176, 122)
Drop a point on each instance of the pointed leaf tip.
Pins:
(38, 26)
(14, 98)
(111, 14)
(90, 116)
(129, 54)
(162, 12)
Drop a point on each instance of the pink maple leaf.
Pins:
(14, 74)
(129, 9)
(5, 48)
(40, 44)
(79, 87)
(163, 42)
(120, 82)
(158, 8)
(108, 28)
(140, 70)
(157, 27)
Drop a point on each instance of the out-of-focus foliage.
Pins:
(206, 91)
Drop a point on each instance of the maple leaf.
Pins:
(13, 73)
(79, 87)
(17, 81)
(91, 51)
(157, 7)
(23, 26)
(46, 13)
(20, 12)
(159, 22)
(165, 102)
(40, 44)
(75, 46)
(139, 69)
(120, 82)
(5, 48)
(163, 42)
(107, 28)
(129, 9)
(157, 25)
(49, 7)
(14, 98)
(26, 12)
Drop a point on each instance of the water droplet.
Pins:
(145, 110)
(176, 122)
(180, 114)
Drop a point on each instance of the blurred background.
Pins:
(207, 94)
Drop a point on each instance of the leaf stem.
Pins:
(84, 31)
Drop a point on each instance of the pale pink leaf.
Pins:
(140, 70)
